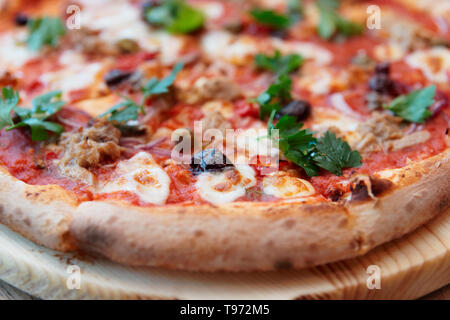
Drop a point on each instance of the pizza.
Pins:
(216, 135)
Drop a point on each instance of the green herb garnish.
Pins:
(297, 145)
(155, 86)
(42, 108)
(333, 154)
(331, 22)
(302, 148)
(44, 31)
(176, 16)
(123, 111)
(295, 10)
(270, 18)
(414, 106)
(129, 110)
(278, 63)
(7, 105)
(275, 96)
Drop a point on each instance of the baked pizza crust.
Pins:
(40, 213)
(241, 236)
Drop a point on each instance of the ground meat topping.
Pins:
(89, 42)
(386, 132)
(206, 89)
(374, 132)
(88, 148)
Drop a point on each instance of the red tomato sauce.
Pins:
(425, 20)
(183, 185)
(376, 161)
(20, 155)
(33, 70)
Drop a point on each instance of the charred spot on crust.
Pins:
(209, 160)
(364, 189)
(444, 202)
(27, 221)
(283, 264)
(336, 194)
(357, 243)
(198, 233)
(289, 224)
(96, 237)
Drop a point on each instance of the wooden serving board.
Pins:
(410, 267)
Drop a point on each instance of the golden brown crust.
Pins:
(40, 213)
(235, 237)
(261, 236)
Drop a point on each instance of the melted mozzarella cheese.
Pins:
(227, 186)
(212, 9)
(142, 176)
(438, 8)
(434, 63)
(170, 46)
(318, 83)
(255, 142)
(325, 119)
(311, 51)
(389, 52)
(76, 73)
(14, 51)
(122, 20)
(225, 108)
(234, 49)
(282, 185)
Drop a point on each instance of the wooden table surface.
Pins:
(10, 293)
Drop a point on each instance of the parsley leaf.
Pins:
(303, 160)
(175, 16)
(270, 18)
(287, 125)
(414, 106)
(155, 86)
(122, 112)
(42, 108)
(296, 145)
(295, 10)
(302, 148)
(333, 154)
(331, 22)
(44, 31)
(7, 105)
(273, 98)
(129, 110)
(279, 64)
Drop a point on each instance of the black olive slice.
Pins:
(132, 129)
(116, 77)
(300, 109)
(383, 68)
(209, 160)
(21, 19)
(380, 82)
